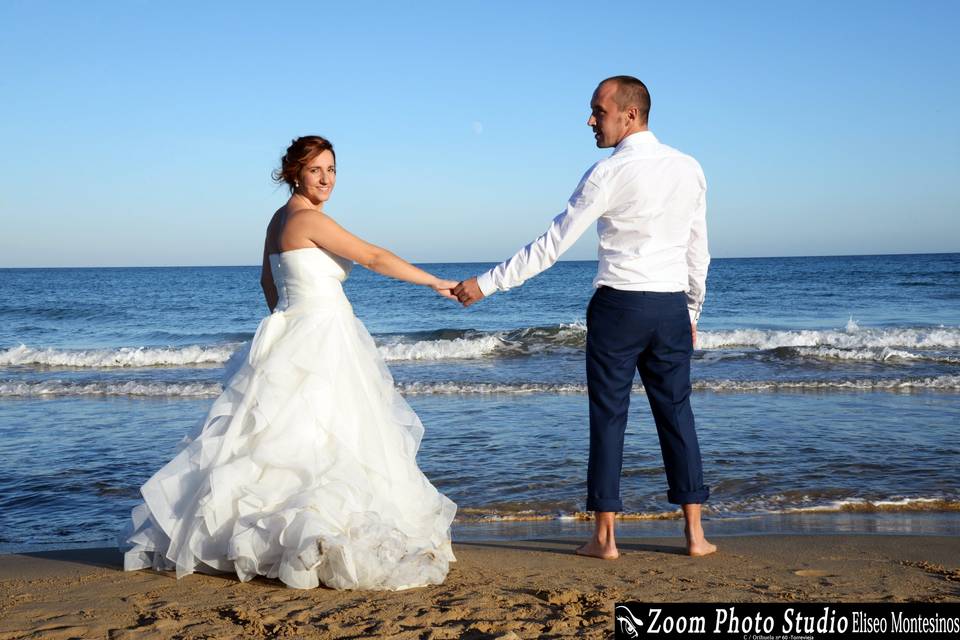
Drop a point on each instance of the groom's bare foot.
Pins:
(594, 549)
(698, 545)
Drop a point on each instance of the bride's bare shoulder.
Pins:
(306, 218)
(303, 212)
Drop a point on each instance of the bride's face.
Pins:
(318, 177)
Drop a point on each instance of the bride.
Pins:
(304, 469)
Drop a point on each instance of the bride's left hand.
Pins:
(443, 287)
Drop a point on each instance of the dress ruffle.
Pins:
(304, 470)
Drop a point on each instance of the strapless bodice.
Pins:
(309, 275)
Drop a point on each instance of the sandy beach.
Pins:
(504, 589)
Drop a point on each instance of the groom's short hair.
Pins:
(631, 93)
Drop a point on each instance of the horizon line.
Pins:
(419, 262)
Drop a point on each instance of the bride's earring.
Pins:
(296, 184)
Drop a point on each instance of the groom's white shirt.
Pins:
(649, 202)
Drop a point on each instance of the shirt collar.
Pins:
(640, 137)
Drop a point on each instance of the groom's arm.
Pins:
(698, 257)
(588, 202)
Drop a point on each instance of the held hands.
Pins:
(444, 288)
(468, 292)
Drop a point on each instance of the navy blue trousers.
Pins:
(648, 332)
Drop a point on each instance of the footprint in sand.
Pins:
(557, 596)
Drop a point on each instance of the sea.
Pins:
(826, 394)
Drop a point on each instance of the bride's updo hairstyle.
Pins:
(300, 152)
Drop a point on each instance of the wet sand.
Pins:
(512, 589)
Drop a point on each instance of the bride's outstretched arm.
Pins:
(325, 232)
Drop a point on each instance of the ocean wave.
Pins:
(861, 505)
(474, 514)
(121, 357)
(853, 337)
(457, 348)
(492, 388)
(448, 344)
(890, 345)
(874, 354)
(851, 343)
(435, 345)
(938, 383)
(567, 334)
(54, 388)
(772, 505)
(192, 355)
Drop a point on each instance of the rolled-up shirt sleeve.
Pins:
(588, 202)
(698, 255)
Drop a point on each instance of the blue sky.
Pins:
(144, 133)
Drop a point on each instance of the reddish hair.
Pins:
(299, 154)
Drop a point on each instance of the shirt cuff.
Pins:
(694, 314)
(485, 282)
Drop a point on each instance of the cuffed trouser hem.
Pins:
(604, 504)
(688, 497)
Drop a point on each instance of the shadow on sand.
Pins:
(105, 558)
(568, 547)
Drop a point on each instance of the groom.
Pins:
(649, 203)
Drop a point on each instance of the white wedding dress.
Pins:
(304, 469)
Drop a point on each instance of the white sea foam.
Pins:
(854, 343)
(566, 332)
(881, 354)
(458, 348)
(482, 345)
(485, 388)
(763, 505)
(893, 504)
(122, 357)
(853, 338)
(53, 388)
(939, 383)
(935, 383)
(799, 504)
(874, 354)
